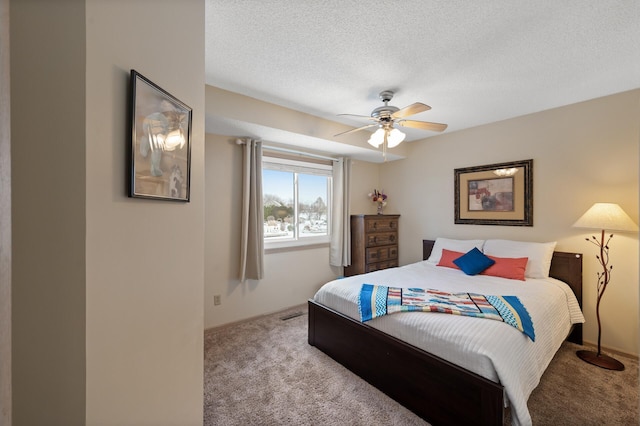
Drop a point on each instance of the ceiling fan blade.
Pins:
(355, 130)
(410, 110)
(357, 116)
(424, 125)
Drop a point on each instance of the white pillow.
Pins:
(462, 246)
(539, 254)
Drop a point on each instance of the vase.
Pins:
(380, 207)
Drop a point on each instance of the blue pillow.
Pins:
(473, 262)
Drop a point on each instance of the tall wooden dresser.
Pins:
(374, 243)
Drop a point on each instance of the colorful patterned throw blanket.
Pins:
(377, 300)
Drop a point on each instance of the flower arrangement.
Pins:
(378, 197)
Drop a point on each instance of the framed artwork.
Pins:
(495, 194)
(160, 148)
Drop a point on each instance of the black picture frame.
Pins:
(494, 194)
(160, 145)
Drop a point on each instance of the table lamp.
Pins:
(610, 217)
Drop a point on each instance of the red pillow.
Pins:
(507, 267)
(448, 257)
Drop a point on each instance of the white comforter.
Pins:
(492, 349)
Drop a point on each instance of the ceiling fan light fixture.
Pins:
(386, 117)
(377, 138)
(394, 138)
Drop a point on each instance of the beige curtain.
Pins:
(340, 248)
(252, 244)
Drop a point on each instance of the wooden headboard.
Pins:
(565, 267)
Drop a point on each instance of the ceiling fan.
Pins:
(386, 117)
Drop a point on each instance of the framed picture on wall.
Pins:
(495, 194)
(160, 147)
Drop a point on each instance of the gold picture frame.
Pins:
(494, 194)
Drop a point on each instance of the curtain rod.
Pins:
(291, 151)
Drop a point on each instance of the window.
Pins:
(296, 201)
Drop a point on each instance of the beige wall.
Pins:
(145, 258)
(364, 179)
(48, 199)
(583, 153)
(108, 312)
(291, 277)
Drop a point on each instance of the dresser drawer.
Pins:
(382, 239)
(381, 265)
(374, 243)
(382, 224)
(381, 254)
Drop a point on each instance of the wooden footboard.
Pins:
(436, 390)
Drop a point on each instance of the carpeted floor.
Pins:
(263, 372)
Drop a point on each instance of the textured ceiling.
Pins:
(473, 62)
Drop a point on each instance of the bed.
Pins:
(440, 386)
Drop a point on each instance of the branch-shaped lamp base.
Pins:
(601, 360)
(603, 216)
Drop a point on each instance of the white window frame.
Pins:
(304, 167)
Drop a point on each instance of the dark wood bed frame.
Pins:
(438, 391)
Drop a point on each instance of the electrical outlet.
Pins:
(217, 300)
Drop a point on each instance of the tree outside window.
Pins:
(296, 201)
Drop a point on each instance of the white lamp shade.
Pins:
(376, 138)
(394, 138)
(607, 216)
